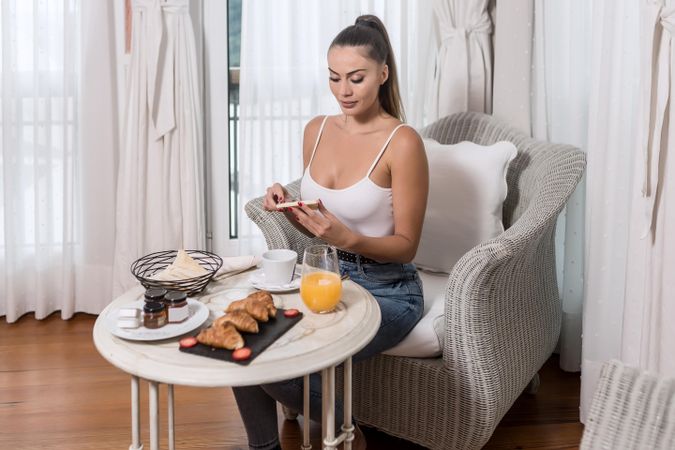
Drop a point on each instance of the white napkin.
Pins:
(183, 267)
(236, 264)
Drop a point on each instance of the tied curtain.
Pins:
(462, 78)
(57, 158)
(284, 82)
(160, 195)
(630, 251)
(541, 85)
(648, 334)
(633, 322)
(63, 216)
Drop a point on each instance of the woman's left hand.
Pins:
(324, 225)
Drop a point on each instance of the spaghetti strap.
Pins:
(384, 147)
(316, 144)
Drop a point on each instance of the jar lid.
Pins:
(175, 296)
(155, 294)
(153, 307)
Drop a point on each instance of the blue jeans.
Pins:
(398, 291)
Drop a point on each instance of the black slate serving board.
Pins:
(269, 332)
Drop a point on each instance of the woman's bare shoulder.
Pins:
(407, 142)
(312, 127)
(408, 158)
(311, 132)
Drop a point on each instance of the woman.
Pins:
(370, 173)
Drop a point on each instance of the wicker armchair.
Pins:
(631, 410)
(502, 311)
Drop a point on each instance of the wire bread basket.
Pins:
(144, 268)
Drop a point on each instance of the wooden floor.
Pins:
(56, 392)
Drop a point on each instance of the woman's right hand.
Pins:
(274, 194)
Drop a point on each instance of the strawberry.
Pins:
(291, 313)
(241, 354)
(188, 342)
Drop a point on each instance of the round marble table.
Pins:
(316, 343)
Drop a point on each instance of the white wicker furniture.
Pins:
(631, 410)
(502, 310)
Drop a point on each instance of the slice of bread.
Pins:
(314, 204)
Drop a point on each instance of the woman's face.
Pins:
(355, 79)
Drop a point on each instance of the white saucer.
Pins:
(257, 279)
(198, 315)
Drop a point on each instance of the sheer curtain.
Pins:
(513, 72)
(560, 101)
(588, 95)
(57, 157)
(284, 81)
(542, 84)
(648, 334)
(612, 147)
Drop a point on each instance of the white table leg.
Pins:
(135, 416)
(306, 445)
(347, 426)
(328, 407)
(172, 443)
(153, 406)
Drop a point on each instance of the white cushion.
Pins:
(467, 187)
(426, 339)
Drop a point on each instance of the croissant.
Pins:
(221, 337)
(237, 305)
(266, 299)
(268, 306)
(241, 320)
(263, 296)
(257, 310)
(256, 304)
(271, 309)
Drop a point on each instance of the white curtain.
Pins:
(463, 70)
(160, 197)
(284, 82)
(57, 157)
(612, 150)
(512, 89)
(588, 95)
(560, 100)
(648, 332)
(542, 84)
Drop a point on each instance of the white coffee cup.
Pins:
(278, 266)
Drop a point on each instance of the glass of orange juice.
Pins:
(320, 286)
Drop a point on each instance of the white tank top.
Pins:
(364, 207)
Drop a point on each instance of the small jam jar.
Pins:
(155, 295)
(154, 315)
(176, 306)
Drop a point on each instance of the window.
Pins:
(221, 31)
(234, 45)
